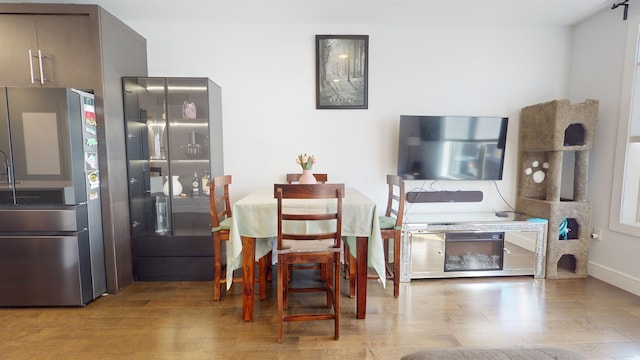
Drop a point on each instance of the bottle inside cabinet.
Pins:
(206, 179)
(195, 185)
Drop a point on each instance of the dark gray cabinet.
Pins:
(83, 47)
(174, 139)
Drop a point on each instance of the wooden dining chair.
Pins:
(390, 229)
(297, 246)
(221, 214)
(293, 178)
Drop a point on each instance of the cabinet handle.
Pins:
(135, 224)
(31, 65)
(41, 71)
(133, 180)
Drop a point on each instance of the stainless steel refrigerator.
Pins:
(51, 245)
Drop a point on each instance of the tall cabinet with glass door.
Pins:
(174, 147)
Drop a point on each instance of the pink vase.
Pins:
(307, 177)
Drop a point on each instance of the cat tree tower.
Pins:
(549, 132)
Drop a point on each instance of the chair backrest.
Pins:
(310, 212)
(294, 178)
(395, 201)
(219, 203)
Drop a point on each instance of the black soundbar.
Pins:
(444, 196)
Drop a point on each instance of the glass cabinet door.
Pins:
(168, 155)
(7, 191)
(188, 123)
(145, 109)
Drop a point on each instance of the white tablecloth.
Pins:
(255, 216)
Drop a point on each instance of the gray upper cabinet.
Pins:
(46, 51)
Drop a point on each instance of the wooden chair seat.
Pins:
(224, 225)
(293, 246)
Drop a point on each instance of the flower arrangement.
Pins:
(306, 161)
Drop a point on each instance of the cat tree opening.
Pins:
(567, 263)
(574, 135)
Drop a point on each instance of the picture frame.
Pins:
(342, 71)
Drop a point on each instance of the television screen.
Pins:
(451, 147)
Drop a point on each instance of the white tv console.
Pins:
(456, 245)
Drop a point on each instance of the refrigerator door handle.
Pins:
(41, 70)
(31, 65)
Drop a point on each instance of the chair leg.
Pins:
(269, 262)
(346, 261)
(396, 265)
(262, 274)
(286, 278)
(217, 271)
(329, 281)
(353, 267)
(385, 246)
(336, 297)
(282, 269)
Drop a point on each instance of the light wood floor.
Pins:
(179, 320)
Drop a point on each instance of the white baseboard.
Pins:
(615, 278)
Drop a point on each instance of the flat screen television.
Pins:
(451, 147)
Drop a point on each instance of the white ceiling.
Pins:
(455, 12)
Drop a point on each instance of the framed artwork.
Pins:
(342, 71)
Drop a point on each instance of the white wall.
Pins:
(598, 56)
(267, 75)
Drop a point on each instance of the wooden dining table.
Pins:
(254, 229)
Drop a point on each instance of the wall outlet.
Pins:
(596, 234)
